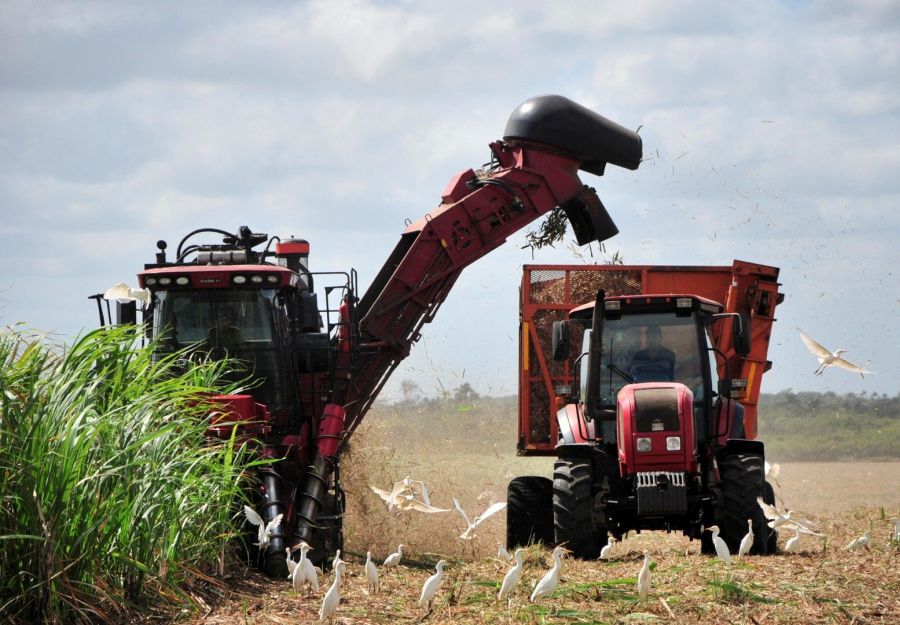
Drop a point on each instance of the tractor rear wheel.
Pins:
(529, 511)
(741, 482)
(573, 507)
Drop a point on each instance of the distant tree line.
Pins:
(795, 426)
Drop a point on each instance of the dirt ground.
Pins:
(822, 583)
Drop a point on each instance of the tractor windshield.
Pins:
(222, 322)
(240, 324)
(650, 348)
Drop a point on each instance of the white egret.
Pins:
(861, 541)
(548, 583)
(371, 573)
(721, 548)
(469, 532)
(336, 559)
(308, 573)
(430, 587)
(333, 596)
(791, 543)
(297, 577)
(502, 553)
(785, 520)
(290, 562)
(643, 580)
(404, 500)
(607, 549)
(828, 358)
(746, 541)
(511, 579)
(394, 558)
(265, 530)
(122, 291)
(896, 534)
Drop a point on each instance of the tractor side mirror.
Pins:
(126, 313)
(740, 327)
(560, 340)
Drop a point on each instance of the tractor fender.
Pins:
(573, 428)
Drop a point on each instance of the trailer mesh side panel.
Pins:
(549, 295)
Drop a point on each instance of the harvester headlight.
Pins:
(272, 278)
(165, 281)
(612, 304)
(150, 281)
(644, 444)
(256, 279)
(683, 302)
(182, 281)
(673, 443)
(239, 279)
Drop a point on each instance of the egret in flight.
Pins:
(469, 532)
(829, 358)
(785, 520)
(265, 530)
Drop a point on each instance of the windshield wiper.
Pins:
(624, 375)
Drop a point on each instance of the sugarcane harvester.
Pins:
(318, 369)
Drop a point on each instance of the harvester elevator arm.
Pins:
(534, 169)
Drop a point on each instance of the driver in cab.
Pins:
(654, 363)
(224, 336)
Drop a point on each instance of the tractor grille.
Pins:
(661, 493)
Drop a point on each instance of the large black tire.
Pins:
(741, 482)
(573, 508)
(529, 511)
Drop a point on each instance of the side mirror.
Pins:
(560, 340)
(126, 313)
(724, 388)
(740, 328)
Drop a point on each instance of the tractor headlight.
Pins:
(151, 281)
(644, 444)
(165, 281)
(673, 443)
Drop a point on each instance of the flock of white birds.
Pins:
(408, 494)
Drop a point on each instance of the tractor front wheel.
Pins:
(529, 511)
(573, 508)
(741, 482)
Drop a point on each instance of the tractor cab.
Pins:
(648, 377)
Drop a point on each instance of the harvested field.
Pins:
(457, 456)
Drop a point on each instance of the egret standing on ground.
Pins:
(371, 573)
(862, 541)
(791, 543)
(643, 580)
(512, 576)
(721, 548)
(896, 535)
(607, 549)
(305, 571)
(746, 541)
(429, 589)
(502, 553)
(548, 583)
(394, 558)
(829, 358)
(333, 596)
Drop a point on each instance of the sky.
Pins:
(771, 133)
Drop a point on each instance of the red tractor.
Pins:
(654, 392)
(319, 365)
